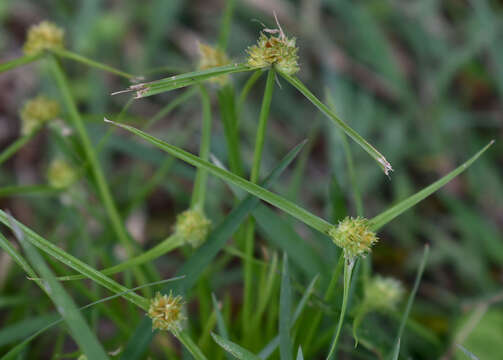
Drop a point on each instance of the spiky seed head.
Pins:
(61, 174)
(354, 236)
(277, 51)
(43, 36)
(210, 57)
(166, 312)
(36, 112)
(383, 292)
(192, 226)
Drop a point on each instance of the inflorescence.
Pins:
(36, 112)
(192, 226)
(211, 57)
(354, 236)
(43, 36)
(166, 312)
(278, 51)
(61, 174)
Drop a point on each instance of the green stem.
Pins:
(225, 26)
(101, 183)
(329, 293)
(16, 145)
(180, 99)
(91, 63)
(381, 160)
(28, 189)
(189, 344)
(199, 191)
(23, 60)
(157, 251)
(230, 122)
(246, 89)
(348, 269)
(254, 177)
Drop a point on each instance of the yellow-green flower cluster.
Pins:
(211, 57)
(277, 51)
(36, 112)
(43, 36)
(383, 293)
(354, 236)
(166, 312)
(192, 226)
(61, 174)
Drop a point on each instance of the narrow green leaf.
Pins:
(74, 263)
(274, 343)
(230, 120)
(198, 262)
(177, 101)
(92, 158)
(246, 89)
(64, 53)
(225, 24)
(410, 301)
(234, 349)
(78, 327)
(16, 145)
(23, 60)
(468, 353)
(280, 233)
(28, 190)
(300, 356)
(179, 81)
(169, 244)
(388, 215)
(19, 347)
(200, 183)
(348, 271)
(381, 160)
(222, 329)
(254, 189)
(285, 313)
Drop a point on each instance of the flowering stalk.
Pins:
(200, 184)
(355, 238)
(99, 177)
(348, 270)
(380, 294)
(166, 312)
(254, 177)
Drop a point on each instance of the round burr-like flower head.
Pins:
(383, 292)
(354, 236)
(192, 226)
(61, 174)
(43, 36)
(166, 312)
(211, 57)
(36, 112)
(278, 51)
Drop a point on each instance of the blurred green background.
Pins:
(422, 80)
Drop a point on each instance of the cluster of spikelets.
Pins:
(354, 236)
(192, 226)
(166, 312)
(383, 293)
(36, 112)
(379, 294)
(278, 51)
(44, 36)
(211, 57)
(61, 174)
